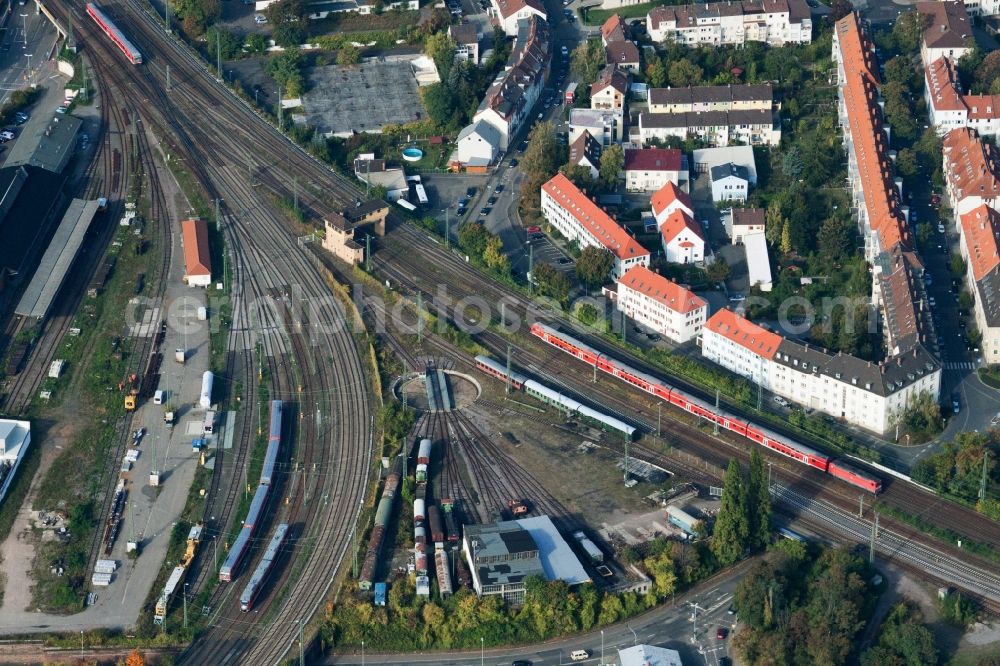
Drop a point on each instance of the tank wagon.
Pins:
(382, 516)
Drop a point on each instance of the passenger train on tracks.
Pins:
(739, 425)
(112, 31)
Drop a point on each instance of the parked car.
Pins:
(781, 401)
(533, 230)
(260, 19)
(470, 192)
(940, 228)
(7, 135)
(499, 188)
(513, 162)
(565, 260)
(722, 633)
(461, 210)
(485, 211)
(491, 200)
(736, 298)
(956, 402)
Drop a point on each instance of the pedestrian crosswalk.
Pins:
(960, 365)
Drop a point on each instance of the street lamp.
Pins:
(602, 647)
(24, 18)
(28, 75)
(635, 638)
(362, 653)
(482, 651)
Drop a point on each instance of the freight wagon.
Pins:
(443, 572)
(436, 525)
(382, 517)
(593, 552)
(760, 435)
(424, 452)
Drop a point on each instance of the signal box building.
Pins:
(341, 228)
(197, 258)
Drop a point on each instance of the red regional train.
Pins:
(112, 31)
(650, 384)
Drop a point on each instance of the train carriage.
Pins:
(493, 368)
(778, 443)
(570, 405)
(260, 574)
(116, 36)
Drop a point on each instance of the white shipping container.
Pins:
(105, 566)
(56, 368)
(100, 579)
(202, 313)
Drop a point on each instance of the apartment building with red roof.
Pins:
(774, 22)
(507, 13)
(662, 305)
(609, 91)
(972, 173)
(979, 243)
(649, 169)
(859, 392)
(579, 219)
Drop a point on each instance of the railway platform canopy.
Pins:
(46, 142)
(59, 256)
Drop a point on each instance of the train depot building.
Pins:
(197, 257)
(502, 555)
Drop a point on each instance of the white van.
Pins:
(158, 398)
(579, 655)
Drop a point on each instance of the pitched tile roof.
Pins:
(687, 16)
(197, 258)
(759, 92)
(621, 53)
(585, 147)
(589, 215)
(659, 288)
(981, 231)
(653, 159)
(677, 222)
(970, 165)
(942, 82)
(747, 217)
(464, 33)
(868, 140)
(949, 26)
(763, 117)
(610, 76)
(614, 29)
(668, 194)
(720, 171)
(744, 332)
(508, 8)
(527, 64)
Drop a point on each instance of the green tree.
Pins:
(903, 640)
(718, 270)
(285, 11)
(774, 222)
(550, 282)
(611, 609)
(473, 239)
(957, 265)
(587, 60)
(494, 256)
(612, 163)
(439, 104)
(987, 72)
(589, 601)
(730, 537)
(578, 174)
(222, 42)
(661, 569)
(590, 315)
(440, 48)
(836, 239)
(792, 164)
(541, 159)
(839, 9)
(286, 69)
(907, 164)
(900, 69)
(908, 29)
(922, 417)
(758, 502)
(786, 239)
(656, 73)
(899, 109)
(348, 55)
(255, 43)
(593, 268)
(289, 35)
(683, 72)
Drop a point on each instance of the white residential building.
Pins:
(774, 22)
(718, 128)
(507, 13)
(864, 394)
(694, 99)
(514, 92)
(705, 158)
(649, 169)
(948, 33)
(972, 171)
(15, 439)
(581, 220)
(605, 125)
(949, 108)
(466, 38)
(661, 305)
(683, 239)
(730, 182)
(609, 91)
(741, 222)
(478, 145)
(668, 199)
(586, 152)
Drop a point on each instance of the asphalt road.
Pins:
(15, 48)
(670, 626)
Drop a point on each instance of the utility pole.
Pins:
(531, 267)
(368, 252)
(659, 415)
(503, 315)
(982, 480)
(354, 548)
(861, 506)
(218, 57)
(694, 621)
(420, 319)
(280, 108)
(871, 546)
(447, 227)
(168, 78)
(166, 17)
(594, 378)
(218, 218)
(625, 473)
(295, 194)
(623, 329)
(507, 381)
(716, 422)
(760, 397)
(185, 595)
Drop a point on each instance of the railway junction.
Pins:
(287, 341)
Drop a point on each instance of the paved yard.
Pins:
(342, 99)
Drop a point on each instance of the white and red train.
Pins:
(763, 436)
(112, 31)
